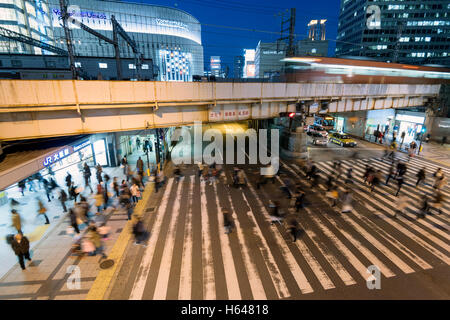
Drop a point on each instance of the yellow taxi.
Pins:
(342, 139)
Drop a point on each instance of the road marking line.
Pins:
(162, 281)
(141, 279)
(250, 266)
(185, 288)
(289, 258)
(227, 257)
(209, 284)
(105, 276)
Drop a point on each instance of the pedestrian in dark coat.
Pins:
(87, 176)
(73, 220)
(63, 199)
(21, 247)
(22, 186)
(400, 181)
(99, 173)
(420, 176)
(140, 167)
(68, 180)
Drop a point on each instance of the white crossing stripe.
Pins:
(274, 272)
(185, 289)
(227, 257)
(396, 260)
(390, 196)
(250, 267)
(209, 284)
(399, 227)
(336, 265)
(162, 281)
(296, 271)
(141, 279)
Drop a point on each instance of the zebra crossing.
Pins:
(259, 260)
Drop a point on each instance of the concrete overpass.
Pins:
(43, 108)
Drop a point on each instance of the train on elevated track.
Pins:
(337, 70)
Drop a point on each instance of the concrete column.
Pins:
(293, 145)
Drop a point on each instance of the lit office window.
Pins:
(77, 64)
(145, 66)
(103, 65)
(131, 66)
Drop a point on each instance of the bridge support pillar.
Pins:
(293, 145)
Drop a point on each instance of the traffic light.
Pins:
(291, 115)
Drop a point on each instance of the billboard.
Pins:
(249, 66)
(215, 63)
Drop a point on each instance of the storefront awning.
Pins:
(20, 165)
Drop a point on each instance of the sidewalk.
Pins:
(431, 151)
(34, 227)
(49, 275)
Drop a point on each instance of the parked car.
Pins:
(342, 139)
(319, 139)
(317, 129)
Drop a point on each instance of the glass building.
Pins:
(27, 17)
(170, 37)
(412, 32)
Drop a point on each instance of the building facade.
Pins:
(238, 67)
(268, 58)
(171, 38)
(412, 32)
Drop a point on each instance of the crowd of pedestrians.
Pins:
(87, 223)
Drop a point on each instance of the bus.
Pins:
(325, 120)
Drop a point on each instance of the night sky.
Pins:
(251, 14)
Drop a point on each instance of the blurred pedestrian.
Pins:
(16, 221)
(400, 181)
(63, 198)
(349, 179)
(375, 181)
(68, 181)
(115, 186)
(138, 143)
(31, 184)
(140, 234)
(391, 173)
(135, 193)
(21, 185)
(347, 201)
(96, 239)
(73, 220)
(73, 192)
(420, 176)
(227, 222)
(424, 208)
(47, 189)
(294, 229)
(333, 194)
(299, 200)
(140, 167)
(99, 201)
(21, 247)
(98, 173)
(125, 202)
(87, 176)
(42, 211)
(401, 205)
(441, 183)
(124, 164)
(438, 201)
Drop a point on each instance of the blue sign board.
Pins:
(57, 156)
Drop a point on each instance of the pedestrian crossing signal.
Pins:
(291, 115)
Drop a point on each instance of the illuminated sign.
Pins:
(272, 52)
(57, 156)
(250, 70)
(83, 14)
(415, 119)
(172, 24)
(81, 145)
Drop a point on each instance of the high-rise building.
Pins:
(249, 66)
(316, 29)
(268, 58)
(316, 43)
(238, 68)
(413, 32)
(214, 66)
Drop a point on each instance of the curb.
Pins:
(105, 276)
